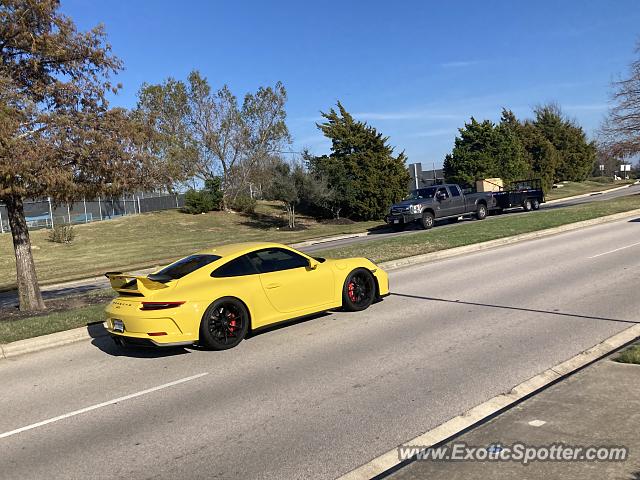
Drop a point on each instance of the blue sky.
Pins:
(416, 70)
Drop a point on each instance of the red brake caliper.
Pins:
(351, 292)
(232, 322)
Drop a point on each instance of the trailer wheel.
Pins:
(481, 213)
(535, 204)
(426, 222)
(527, 205)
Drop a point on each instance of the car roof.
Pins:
(233, 249)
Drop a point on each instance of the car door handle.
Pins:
(273, 285)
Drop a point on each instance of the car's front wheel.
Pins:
(224, 324)
(427, 220)
(359, 290)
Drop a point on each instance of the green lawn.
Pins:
(570, 189)
(146, 240)
(381, 250)
(13, 330)
(474, 231)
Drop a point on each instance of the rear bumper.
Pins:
(175, 326)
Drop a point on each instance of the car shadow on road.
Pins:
(284, 324)
(521, 309)
(635, 220)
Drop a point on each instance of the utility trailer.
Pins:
(526, 194)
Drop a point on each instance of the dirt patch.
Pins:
(57, 305)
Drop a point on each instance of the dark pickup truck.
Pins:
(426, 205)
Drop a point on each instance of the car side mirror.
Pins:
(313, 264)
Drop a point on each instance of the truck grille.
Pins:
(399, 210)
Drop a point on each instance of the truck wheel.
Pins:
(426, 222)
(527, 205)
(535, 204)
(481, 213)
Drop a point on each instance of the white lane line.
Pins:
(100, 405)
(616, 250)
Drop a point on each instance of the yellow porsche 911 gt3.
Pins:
(215, 296)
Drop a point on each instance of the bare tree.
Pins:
(229, 140)
(621, 130)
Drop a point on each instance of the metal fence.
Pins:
(45, 213)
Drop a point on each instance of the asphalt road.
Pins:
(10, 298)
(318, 398)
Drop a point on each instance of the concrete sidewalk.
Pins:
(599, 406)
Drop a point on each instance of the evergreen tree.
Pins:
(361, 169)
(540, 153)
(484, 150)
(509, 151)
(576, 156)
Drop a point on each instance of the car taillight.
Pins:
(159, 305)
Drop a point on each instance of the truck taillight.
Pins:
(159, 305)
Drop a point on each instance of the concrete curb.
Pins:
(590, 194)
(495, 405)
(476, 247)
(43, 342)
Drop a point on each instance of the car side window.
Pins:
(276, 259)
(443, 191)
(455, 192)
(235, 268)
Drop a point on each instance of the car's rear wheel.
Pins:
(224, 324)
(359, 290)
(481, 212)
(535, 204)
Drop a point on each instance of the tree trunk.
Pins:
(28, 288)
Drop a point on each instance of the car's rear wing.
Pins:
(128, 283)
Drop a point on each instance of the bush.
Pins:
(62, 234)
(203, 201)
(244, 204)
(197, 201)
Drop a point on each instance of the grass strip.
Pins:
(630, 355)
(471, 232)
(13, 330)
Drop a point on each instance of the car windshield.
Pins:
(422, 193)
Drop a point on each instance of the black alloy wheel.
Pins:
(224, 324)
(359, 290)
